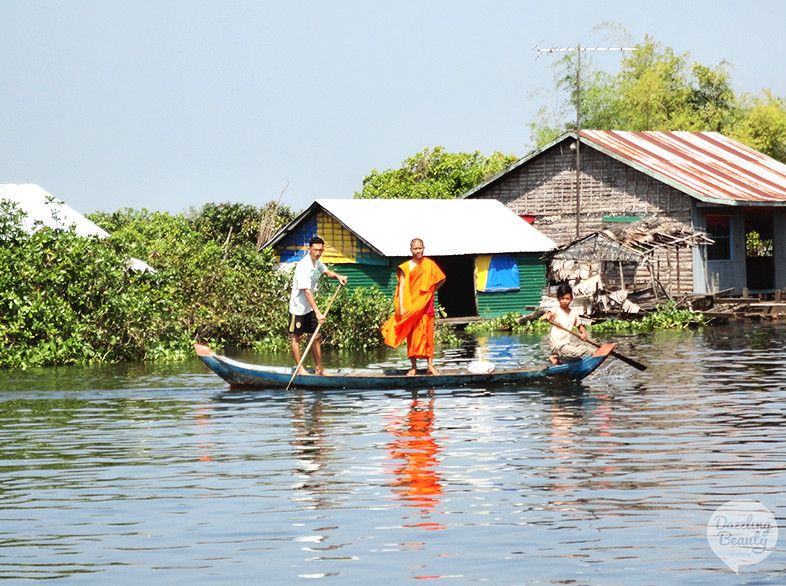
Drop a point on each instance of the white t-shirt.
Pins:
(306, 277)
(558, 337)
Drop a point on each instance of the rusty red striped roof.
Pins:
(705, 165)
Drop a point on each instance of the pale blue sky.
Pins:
(167, 104)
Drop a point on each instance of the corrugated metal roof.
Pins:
(705, 165)
(41, 205)
(447, 227)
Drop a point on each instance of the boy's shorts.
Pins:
(572, 352)
(303, 324)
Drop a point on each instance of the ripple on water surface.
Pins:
(166, 475)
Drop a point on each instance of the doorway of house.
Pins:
(759, 256)
(457, 295)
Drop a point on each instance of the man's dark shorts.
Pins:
(303, 324)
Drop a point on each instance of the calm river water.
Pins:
(159, 474)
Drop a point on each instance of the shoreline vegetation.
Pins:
(69, 300)
(664, 316)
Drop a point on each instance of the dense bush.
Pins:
(241, 223)
(66, 299)
(353, 322)
(226, 291)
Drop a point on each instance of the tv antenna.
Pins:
(578, 49)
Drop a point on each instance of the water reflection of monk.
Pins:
(417, 480)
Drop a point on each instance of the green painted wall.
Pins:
(532, 277)
(364, 275)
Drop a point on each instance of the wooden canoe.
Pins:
(243, 375)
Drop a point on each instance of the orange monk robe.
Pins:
(416, 325)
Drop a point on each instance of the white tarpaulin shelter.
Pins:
(41, 207)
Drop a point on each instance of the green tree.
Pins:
(761, 124)
(600, 105)
(711, 103)
(240, 222)
(653, 86)
(433, 174)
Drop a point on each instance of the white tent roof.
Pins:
(44, 207)
(447, 227)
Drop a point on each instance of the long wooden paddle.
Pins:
(614, 353)
(311, 340)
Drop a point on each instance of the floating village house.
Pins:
(491, 257)
(696, 183)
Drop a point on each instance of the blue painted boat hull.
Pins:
(243, 375)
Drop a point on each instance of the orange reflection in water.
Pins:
(203, 414)
(415, 450)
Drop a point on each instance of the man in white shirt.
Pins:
(304, 315)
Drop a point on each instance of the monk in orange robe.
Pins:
(417, 280)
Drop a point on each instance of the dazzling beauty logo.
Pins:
(742, 533)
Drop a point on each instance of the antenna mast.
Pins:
(578, 49)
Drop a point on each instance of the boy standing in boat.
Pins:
(563, 349)
(417, 280)
(304, 315)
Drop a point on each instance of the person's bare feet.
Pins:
(322, 372)
(433, 371)
(411, 372)
(303, 372)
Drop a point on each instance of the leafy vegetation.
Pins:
(222, 288)
(666, 316)
(66, 299)
(353, 322)
(508, 323)
(755, 245)
(434, 174)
